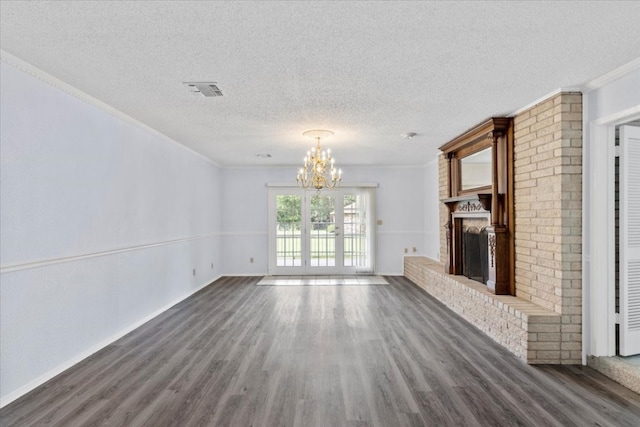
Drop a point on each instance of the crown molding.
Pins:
(544, 98)
(33, 71)
(342, 166)
(611, 76)
(586, 87)
(342, 185)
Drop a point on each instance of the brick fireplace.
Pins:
(539, 317)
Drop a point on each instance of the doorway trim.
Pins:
(599, 313)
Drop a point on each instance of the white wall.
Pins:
(400, 204)
(102, 222)
(432, 211)
(607, 102)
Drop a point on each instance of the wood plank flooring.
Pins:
(236, 354)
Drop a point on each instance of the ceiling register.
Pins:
(319, 170)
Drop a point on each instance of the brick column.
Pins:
(548, 216)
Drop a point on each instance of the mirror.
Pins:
(475, 170)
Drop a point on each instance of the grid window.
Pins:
(322, 231)
(355, 230)
(288, 231)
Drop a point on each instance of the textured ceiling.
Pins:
(369, 71)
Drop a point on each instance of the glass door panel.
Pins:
(322, 230)
(287, 246)
(288, 230)
(355, 241)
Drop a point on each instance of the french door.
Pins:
(318, 233)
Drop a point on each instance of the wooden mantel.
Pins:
(470, 202)
(494, 200)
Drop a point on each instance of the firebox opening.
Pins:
(475, 254)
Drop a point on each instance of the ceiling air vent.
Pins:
(204, 88)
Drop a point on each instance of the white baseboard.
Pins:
(10, 397)
(245, 274)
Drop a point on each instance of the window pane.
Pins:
(322, 231)
(288, 231)
(355, 230)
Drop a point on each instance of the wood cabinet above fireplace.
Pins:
(480, 183)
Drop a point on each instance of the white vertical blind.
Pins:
(629, 240)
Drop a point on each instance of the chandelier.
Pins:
(319, 170)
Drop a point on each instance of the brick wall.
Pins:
(548, 229)
(548, 215)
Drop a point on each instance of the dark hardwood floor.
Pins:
(236, 354)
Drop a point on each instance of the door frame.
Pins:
(607, 101)
(629, 340)
(599, 311)
(305, 268)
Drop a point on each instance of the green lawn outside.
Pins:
(321, 242)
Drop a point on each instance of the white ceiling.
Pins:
(369, 71)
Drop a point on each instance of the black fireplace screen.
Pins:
(475, 263)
